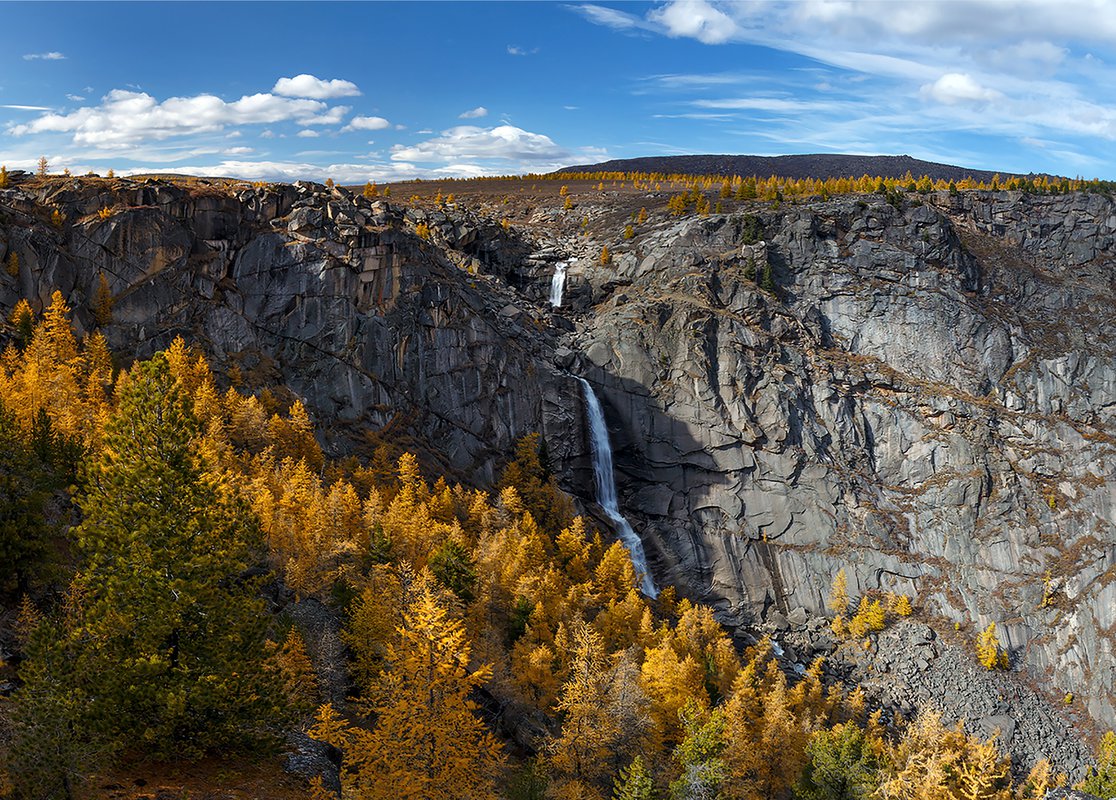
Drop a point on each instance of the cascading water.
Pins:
(558, 284)
(606, 489)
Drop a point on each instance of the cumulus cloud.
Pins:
(126, 117)
(957, 87)
(367, 124)
(307, 134)
(331, 117)
(315, 88)
(466, 142)
(474, 113)
(51, 56)
(77, 98)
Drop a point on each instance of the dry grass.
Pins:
(211, 779)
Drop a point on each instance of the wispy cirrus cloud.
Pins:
(51, 56)
(991, 68)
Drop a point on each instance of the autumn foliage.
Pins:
(192, 494)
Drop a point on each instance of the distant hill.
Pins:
(819, 165)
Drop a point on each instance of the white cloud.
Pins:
(610, 17)
(957, 87)
(331, 117)
(925, 66)
(315, 88)
(126, 117)
(27, 108)
(467, 142)
(308, 134)
(516, 50)
(697, 19)
(1030, 55)
(367, 124)
(77, 98)
(778, 105)
(51, 56)
(295, 170)
(474, 113)
(267, 134)
(237, 151)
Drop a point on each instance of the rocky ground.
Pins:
(922, 394)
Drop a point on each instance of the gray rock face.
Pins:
(334, 297)
(928, 403)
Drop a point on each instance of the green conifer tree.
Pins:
(634, 782)
(25, 485)
(165, 636)
(841, 765)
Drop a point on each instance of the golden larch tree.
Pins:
(428, 743)
(102, 301)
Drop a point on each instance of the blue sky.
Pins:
(386, 91)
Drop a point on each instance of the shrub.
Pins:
(989, 653)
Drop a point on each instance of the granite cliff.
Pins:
(926, 398)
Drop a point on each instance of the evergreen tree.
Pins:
(167, 635)
(26, 480)
(767, 283)
(634, 783)
(52, 749)
(699, 756)
(453, 567)
(1101, 779)
(841, 765)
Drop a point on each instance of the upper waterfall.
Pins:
(558, 284)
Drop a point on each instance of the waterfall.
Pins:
(606, 489)
(558, 284)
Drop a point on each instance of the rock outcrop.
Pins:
(325, 293)
(925, 400)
